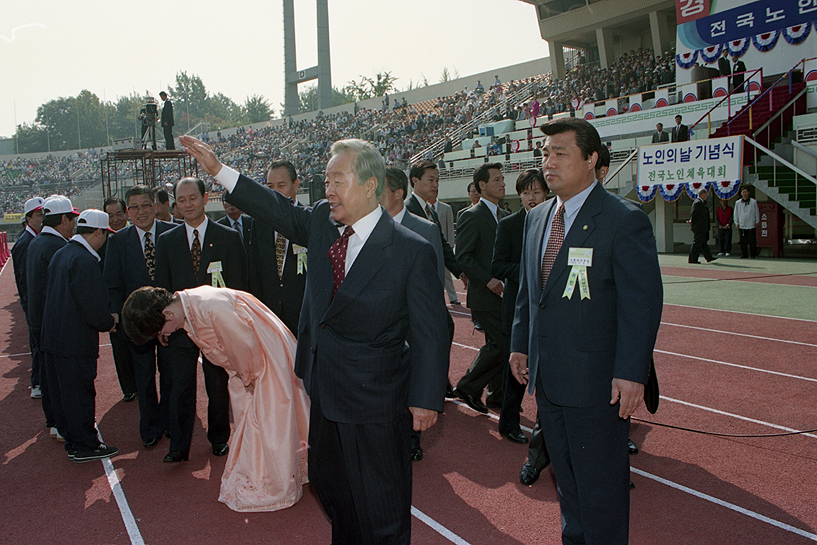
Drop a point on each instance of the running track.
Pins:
(719, 371)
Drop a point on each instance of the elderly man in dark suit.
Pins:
(587, 315)
(277, 265)
(196, 253)
(699, 221)
(476, 232)
(130, 263)
(660, 135)
(392, 200)
(372, 285)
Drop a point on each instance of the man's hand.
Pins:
(423, 418)
(202, 153)
(496, 286)
(631, 394)
(519, 367)
(464, 280)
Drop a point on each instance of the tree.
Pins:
(31, 138)
(256, 109)
(448, 76)
(382, 83)
(308, 98)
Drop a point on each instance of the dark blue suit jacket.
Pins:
(18, 254)
(580, 345)
(76, 304)
(505, 263)
(352, 351)
(39, 255)
(125, 268)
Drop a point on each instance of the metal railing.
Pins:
(777, 115)
(799, 173)
(728, 98)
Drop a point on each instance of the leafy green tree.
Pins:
(308, 98)
(256, 109)
(31, 138)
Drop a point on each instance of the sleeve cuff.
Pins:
(227, 178)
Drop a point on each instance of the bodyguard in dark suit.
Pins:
(130, 263)
(32, 222)
(723, 63)
(196, 253)
(76, 310)
(58, 224)
(278, 265)
(680, 132)
(531, 188)
(369, 292)
(476, 232)
(586, 346)
(239, 221)
(699, 220)
(659, 135)
(167, 121)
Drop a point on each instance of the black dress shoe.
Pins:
(529, 474)
(128, 397)
(175, 456)
(711, 260)
(632, 485)
(493, 404)
(151, 442)
(631, 447)
(220, 449)
(515, 436)
(450, 393)
(472, 402)
(416, 454)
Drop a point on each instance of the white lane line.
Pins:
(466, 346)
(118, 493)
(437, 527)
(739, 312)
(732, 506)
(739, 417)
(787, 375)
(739, 334)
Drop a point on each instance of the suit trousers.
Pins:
(50, 389)
(512, 394)
(725, 240)
(486, 369)
(588, 449)
(362, 475)
(181, 408)
(169, 142)
(123, 362)
(538, 455)
(216, 382)
(700, 246)
(449, 287)
(36, 360)
(748, 242)
(153, 408)
(76, 377)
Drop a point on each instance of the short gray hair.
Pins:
(368, 161)
(702, 191)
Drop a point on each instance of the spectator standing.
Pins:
(660, 135)
(724, 229)
(747, 216)
(680, 132)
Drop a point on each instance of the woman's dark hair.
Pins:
(142, 316)
(529, 177)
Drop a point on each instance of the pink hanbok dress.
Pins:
(266, 466)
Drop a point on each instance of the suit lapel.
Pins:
(366, 265)
(581, 228)
(133, 248)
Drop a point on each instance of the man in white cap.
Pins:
(76, 310)
(32, 222)
(58, 224)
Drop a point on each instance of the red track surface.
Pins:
(468, 482)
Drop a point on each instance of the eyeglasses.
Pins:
(140, 208)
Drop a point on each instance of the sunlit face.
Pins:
(494, 188)
(35, 220)
(473, 194)
(116, 216)
(348, 200)
(428, 186)
(141, 211)
(567, 173)
(191, 203)
(279, 180)
(392, 201)
(533, 195)
(163, 211)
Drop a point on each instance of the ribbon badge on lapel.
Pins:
(579, 259)
(300, 251)
(214, 269)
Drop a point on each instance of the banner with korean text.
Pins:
(672, 169)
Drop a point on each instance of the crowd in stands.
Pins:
(43, 176)
(399, 132)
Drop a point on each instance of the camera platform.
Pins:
(122, 169)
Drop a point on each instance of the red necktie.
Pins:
(557, 236)
(337, 255)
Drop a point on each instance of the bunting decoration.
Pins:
(797, 34)
(766, 41)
